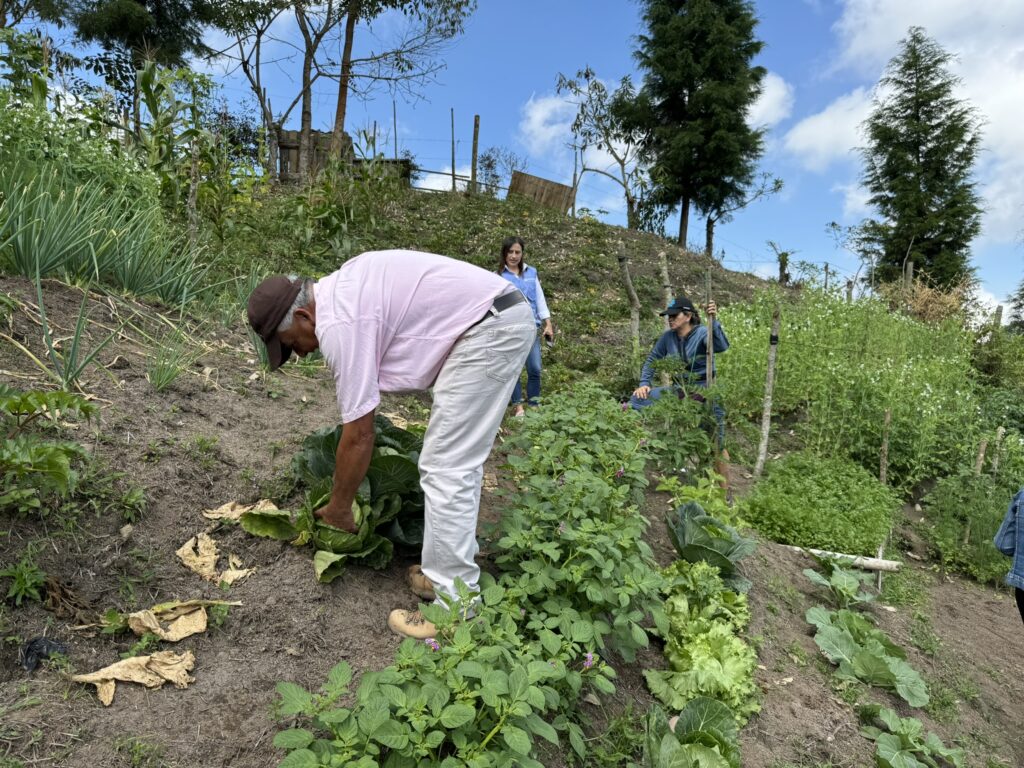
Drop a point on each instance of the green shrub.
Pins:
(830, 504)
(962, 514)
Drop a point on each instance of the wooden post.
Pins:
(394, 125)
(666, 282)
(634, 301)
(997, 318)
(453, 149)
(476, 141)
(979, 463)
(908, 275)
(826, 275)
(575, 180)
(1000, 433)
(883, 464)
(849, 291)
(769, 386)
(711, 327)
(783, 267)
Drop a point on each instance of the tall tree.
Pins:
(922, 142)
(699, 84)
(14, 12)
(1016, 300)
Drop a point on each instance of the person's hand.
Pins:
(338, 515)
(549, 332)
(712, 309)
(641, 392)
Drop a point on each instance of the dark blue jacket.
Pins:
(692, 351)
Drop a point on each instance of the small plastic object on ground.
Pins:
(37, 649)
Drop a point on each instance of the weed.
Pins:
(27, 578)
(923, 636)
(172, 357)
(786, 592)
(203, 451)
(157, 449)
(907, 586)
(799, 656)
(144, 645)
(139, 753)
(219, 614)
(619, 743)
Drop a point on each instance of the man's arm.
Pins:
(355, 449)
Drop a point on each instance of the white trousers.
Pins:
(470, 396)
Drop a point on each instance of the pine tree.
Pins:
(922, 144)
(692, 108)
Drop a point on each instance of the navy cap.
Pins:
(679, 304)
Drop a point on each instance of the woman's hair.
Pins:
(507, 244)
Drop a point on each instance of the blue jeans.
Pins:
(532, 377)
(716, 410)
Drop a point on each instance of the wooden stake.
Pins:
(979, 463)
(769, 386)
(476, 139)
(883, 464)
(634, 301)
(453, 149)
(995, 451)
(710, 335)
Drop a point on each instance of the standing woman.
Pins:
(524, 277)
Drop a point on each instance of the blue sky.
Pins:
(823, 59)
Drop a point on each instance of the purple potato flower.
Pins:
(588, 661)
(432, 644)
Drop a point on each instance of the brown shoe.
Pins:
(420, 585)
(411, 624)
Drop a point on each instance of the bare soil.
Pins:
(224, 432)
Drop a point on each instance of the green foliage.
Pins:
(572, 540)
(713, 663)
(865, 653)
(844, 585)
(901, 742)
(922, 142)
(476, 694)
(819, 503)
(172, 357)
(146, 644)
(705, 736)
(707, 491)
(698, 597)
(679, 432)
(963, 511)
(27, 578)
(699, 537)
(841, 365)
(35, 470)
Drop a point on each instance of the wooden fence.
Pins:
(549, 193)
(288, 157)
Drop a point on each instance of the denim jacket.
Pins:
(1010, 540)
(691, 351)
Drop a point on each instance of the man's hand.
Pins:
(712, 309)
(338, 515)
(642, 392)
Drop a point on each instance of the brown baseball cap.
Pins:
(268, 305)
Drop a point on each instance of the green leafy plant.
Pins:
(844, 585)
(34, 469)
(474, 694)
(172, 357)
(863, 652)
(27, 578)
(901, 742)
(830, 504)
(699, 537)
(704, 736)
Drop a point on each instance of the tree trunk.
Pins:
(634, 301)
(337, 135)
(709, 237)
(306, 127)
(684, 220)
(769, 388)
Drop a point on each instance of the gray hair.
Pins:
(304, 299)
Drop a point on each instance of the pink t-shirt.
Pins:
(387, 320)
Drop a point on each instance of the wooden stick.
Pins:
(858, 561)
(883, 464)
(769, 386)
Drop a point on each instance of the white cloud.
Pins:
(441, 181)
(819, 140)
(546, 125)
(774, 104)
(855, 201)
